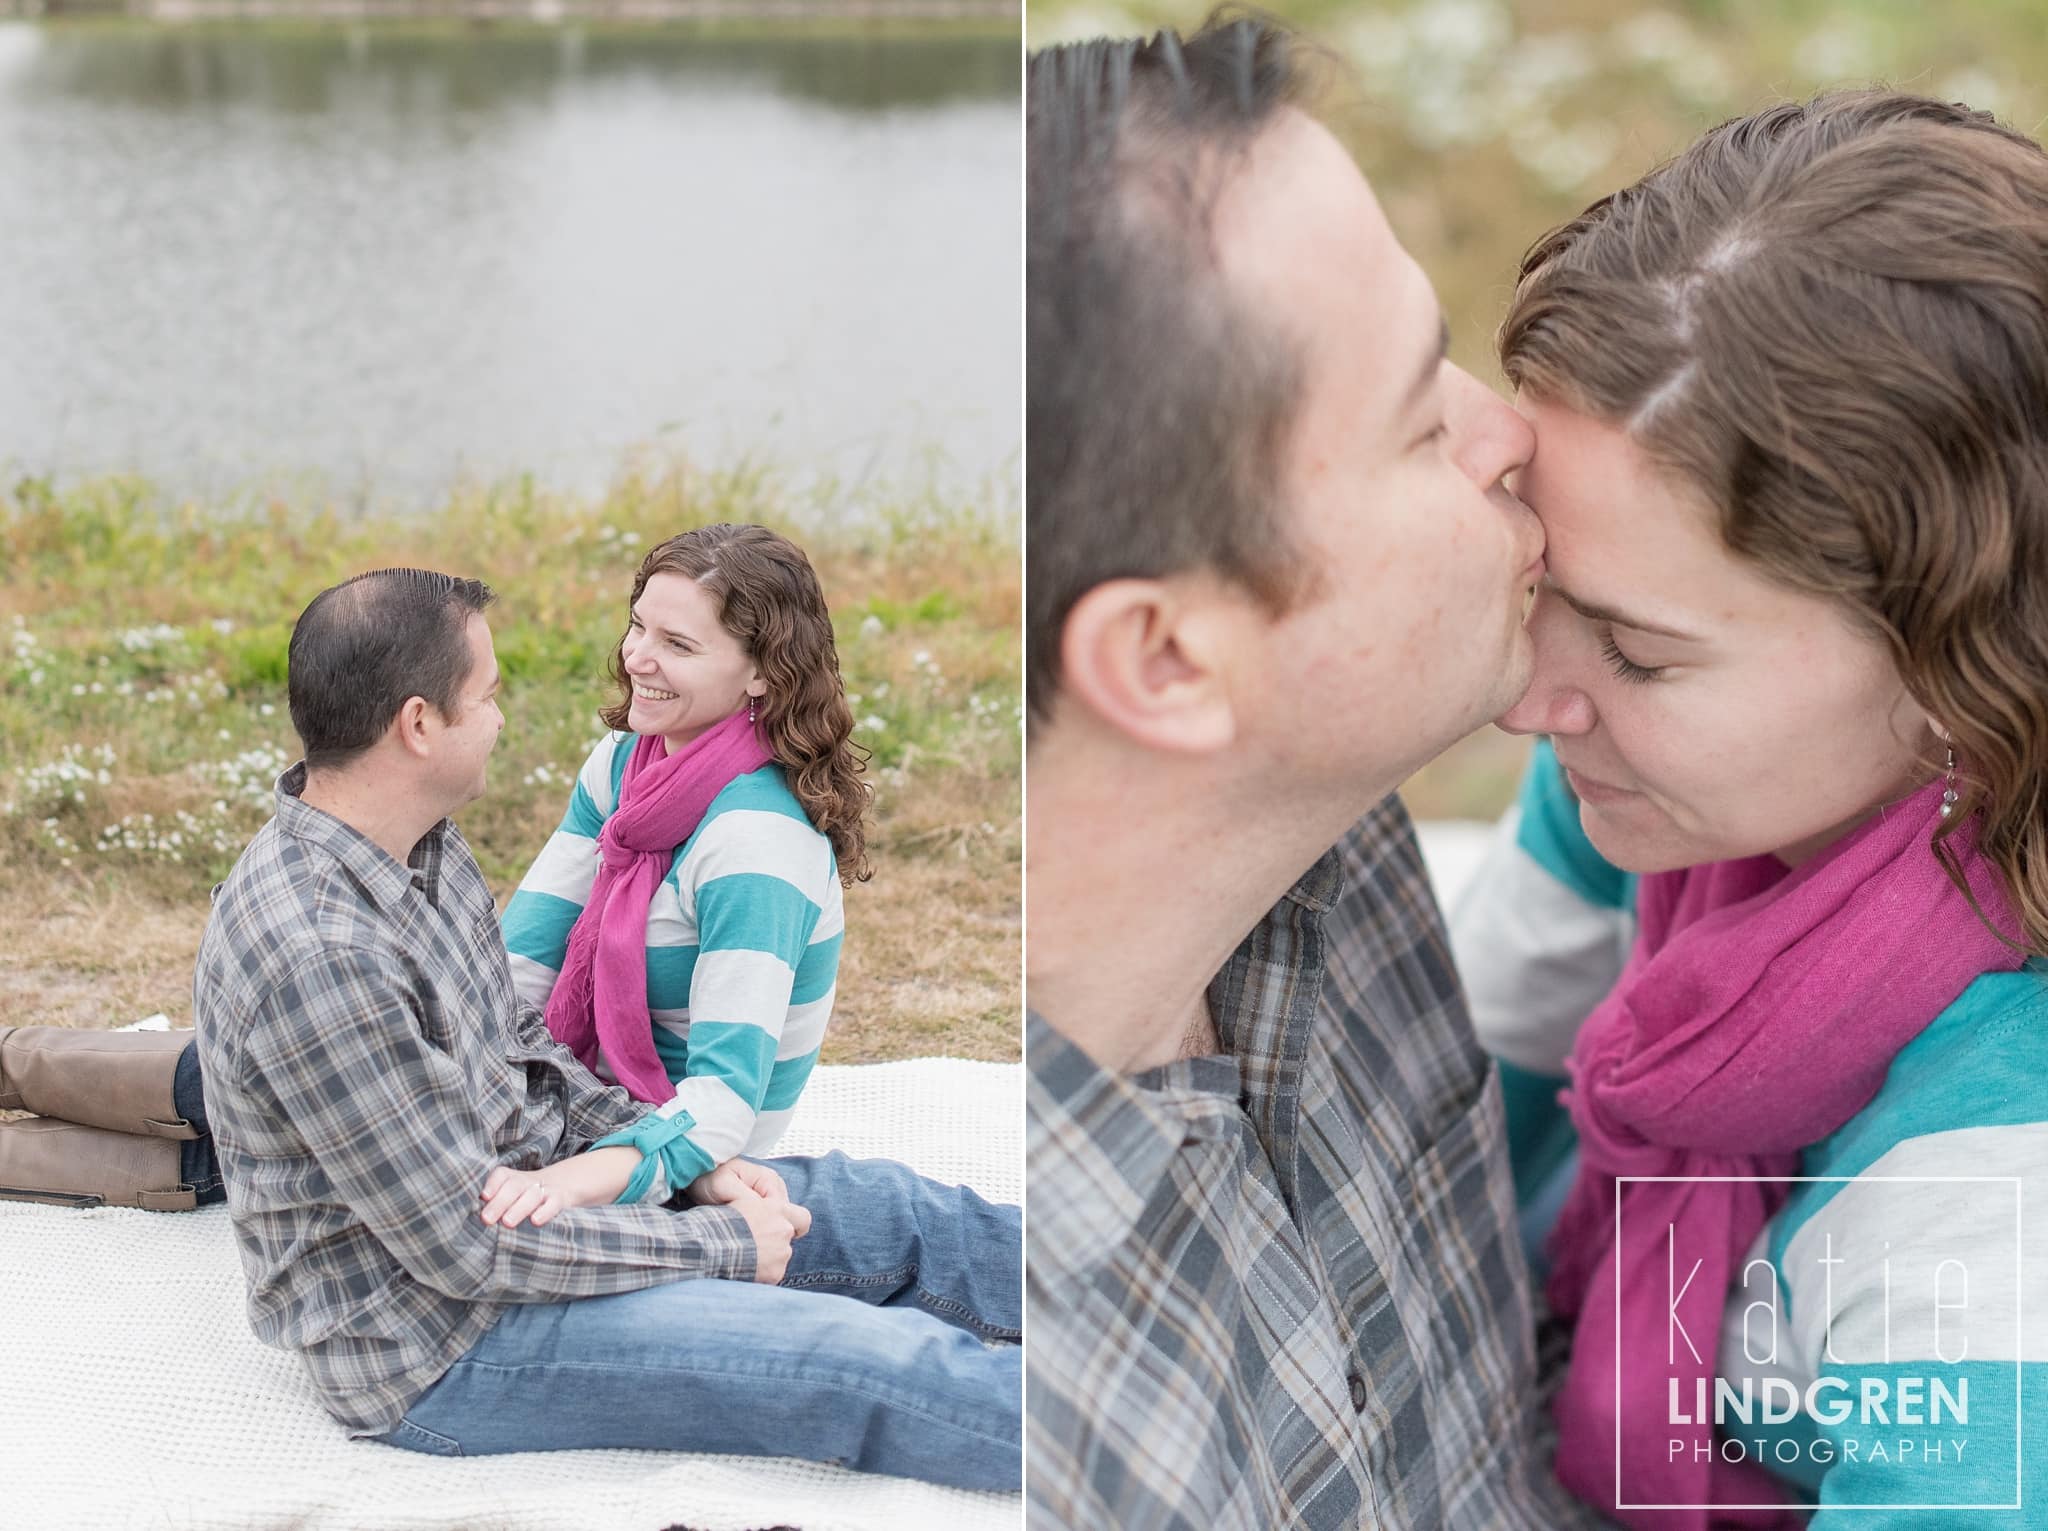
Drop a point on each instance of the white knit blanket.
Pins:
(137, 1397)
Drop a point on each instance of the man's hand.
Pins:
(761, 1196)
(774, 1229)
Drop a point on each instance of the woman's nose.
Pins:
(1555, 702)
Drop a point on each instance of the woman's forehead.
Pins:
(1625, 534)
(676, 600)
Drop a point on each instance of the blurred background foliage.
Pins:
(1483, 123)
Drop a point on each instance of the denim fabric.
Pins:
(198, 1165)
(890, 1346)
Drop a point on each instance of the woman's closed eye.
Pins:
(1624, 667)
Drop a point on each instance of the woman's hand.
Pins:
(511, 1196)
(723, 1185)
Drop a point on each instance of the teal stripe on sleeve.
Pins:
(818, 971)
(787, 1082)
(582, 817)
(537, 926)
(742, 1056)
(752, 911)
(1978, 1064)
(683, 1161)
(1551, 834)
(622, 751)
(1980, 1460)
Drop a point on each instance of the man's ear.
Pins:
(1145, 656)
(410, 726)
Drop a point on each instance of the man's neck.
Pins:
(1144, 876)
(390, 818)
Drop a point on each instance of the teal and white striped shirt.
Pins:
(743, 940)
(1914, 1206)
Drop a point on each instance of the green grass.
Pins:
(143, 718)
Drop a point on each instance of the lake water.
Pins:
(375, 263)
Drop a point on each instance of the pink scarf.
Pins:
(600, 999)
(1759, 1011)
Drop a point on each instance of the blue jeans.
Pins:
(198, 1165)
(891, 1346)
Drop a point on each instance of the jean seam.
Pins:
(407, 1423)
(865, 1390)
(810, 1279)
(927, 1298)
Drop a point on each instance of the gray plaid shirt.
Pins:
(1283, 1288)
(366, 1065)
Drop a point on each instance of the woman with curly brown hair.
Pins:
(1790, 395)
(681, 928)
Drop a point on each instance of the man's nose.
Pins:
(1489, 440)
(1555, 702)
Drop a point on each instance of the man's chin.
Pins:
(1516, 672)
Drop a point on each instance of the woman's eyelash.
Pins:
(1623, 666)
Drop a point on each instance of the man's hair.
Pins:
(365, 646)
(1156, 403)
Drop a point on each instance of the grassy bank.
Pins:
(143, 721)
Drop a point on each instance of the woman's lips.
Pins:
(1590, 791)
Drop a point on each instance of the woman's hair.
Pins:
(1831, 320)
(768, 599)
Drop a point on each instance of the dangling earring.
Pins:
(751, 701)
(1948, 790)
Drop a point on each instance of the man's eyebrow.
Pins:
(1593, 612)
(1430, 366)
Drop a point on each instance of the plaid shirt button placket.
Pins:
(366, 1066)
(1284, 1287)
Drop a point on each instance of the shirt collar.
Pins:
(1317, 889)
(1101, 1143)
(383, 881)
(1105, 1141)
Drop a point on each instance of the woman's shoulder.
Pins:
(603, 769)
(1922, 1179)
(757, 825)
(1980, 1057)
(766, 790)
(1978, 1073)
